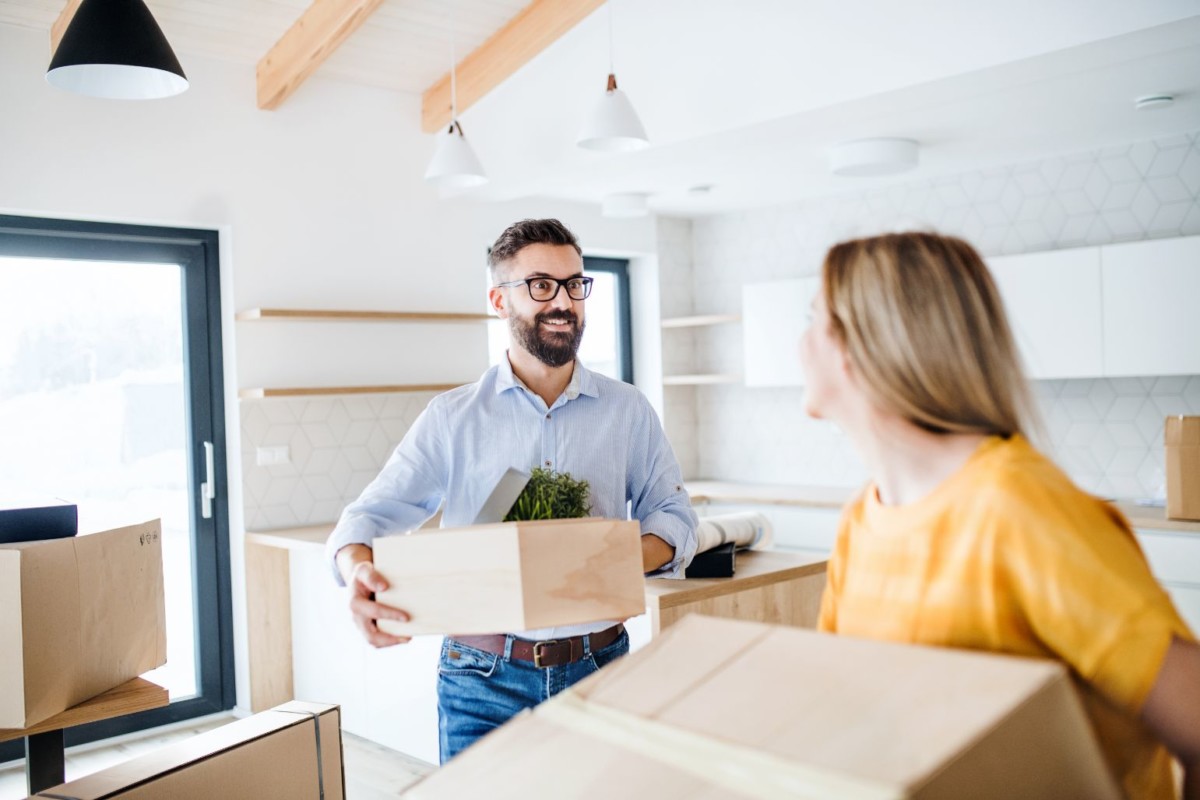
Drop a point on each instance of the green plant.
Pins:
(550, 495)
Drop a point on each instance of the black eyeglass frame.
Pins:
(562, 284)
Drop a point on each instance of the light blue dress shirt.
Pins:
(599, 430)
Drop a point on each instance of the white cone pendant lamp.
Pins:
(455, 166)
(613, 125)
(115, 49)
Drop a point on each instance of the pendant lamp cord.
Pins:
(612, 70)
(453, 80)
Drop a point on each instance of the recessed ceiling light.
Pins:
(1150, 101)
(870, 157)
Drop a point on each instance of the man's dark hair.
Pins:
(519, 235)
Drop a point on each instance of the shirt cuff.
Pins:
(676, 533)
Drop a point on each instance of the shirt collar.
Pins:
(582, 380)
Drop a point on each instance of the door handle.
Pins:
(208, 489)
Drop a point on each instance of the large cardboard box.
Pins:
(78, 616)
(293, 751)
(1182, 435)
(512, 576)
(724, 708)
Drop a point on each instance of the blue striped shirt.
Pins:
(599, 430)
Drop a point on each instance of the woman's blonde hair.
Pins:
(924, 327)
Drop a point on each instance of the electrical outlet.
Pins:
(270, 456)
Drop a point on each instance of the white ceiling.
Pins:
(747, 95)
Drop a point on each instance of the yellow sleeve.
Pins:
(1079, 579)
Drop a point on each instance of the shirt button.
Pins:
(547, 416)
(547, 462)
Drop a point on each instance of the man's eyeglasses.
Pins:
(546, 289)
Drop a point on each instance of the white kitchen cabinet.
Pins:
(1151, 309)
(1053, 304)
(775, 315)
(1175, 560)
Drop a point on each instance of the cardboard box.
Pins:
(293, 751)
(512, 576)
(1182, 435)
(725, 708)
(78, 617)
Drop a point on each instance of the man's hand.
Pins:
(356, 563)
(655, 552)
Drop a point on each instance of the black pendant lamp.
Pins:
(115, 49)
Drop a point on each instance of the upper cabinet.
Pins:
(1053, 305)
(774, 317)
(1112, 311)
(1152, 307)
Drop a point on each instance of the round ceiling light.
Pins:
(870, 157)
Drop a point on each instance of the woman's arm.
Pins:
(1172, 710)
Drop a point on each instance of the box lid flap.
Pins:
(1181, 430)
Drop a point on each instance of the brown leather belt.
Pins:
(548, 653)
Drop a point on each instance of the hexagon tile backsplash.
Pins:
(336, 446)
(1106, 433)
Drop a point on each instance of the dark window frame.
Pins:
(619, 268)
(197, 252)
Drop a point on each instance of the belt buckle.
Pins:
(537, 651)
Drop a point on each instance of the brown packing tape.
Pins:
(741, 770)
(1182, 431)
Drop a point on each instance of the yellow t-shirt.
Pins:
(1007, 555)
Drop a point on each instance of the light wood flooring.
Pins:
(373, 772)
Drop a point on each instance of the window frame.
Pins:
(197, 253)
(619, 268)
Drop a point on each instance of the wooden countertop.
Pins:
(753, 568)
(1144, 517)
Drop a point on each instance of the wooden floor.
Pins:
(373, 772)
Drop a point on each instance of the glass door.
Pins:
(110, 398)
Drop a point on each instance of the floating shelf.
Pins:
(700, 321)
(259, 394)
(700, 380)
(251, 314)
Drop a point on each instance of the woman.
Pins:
(966, 536)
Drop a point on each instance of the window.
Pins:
(111, 397)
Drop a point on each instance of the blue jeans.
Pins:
(478, 691)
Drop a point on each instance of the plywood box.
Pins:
(1182, 439)
(723, 708)
(292, 751)
(78, 616)
(512, 576)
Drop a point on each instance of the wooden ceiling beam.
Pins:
(60, 25)
(535, 28)
(312, 38)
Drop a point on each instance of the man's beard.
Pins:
(552, 348)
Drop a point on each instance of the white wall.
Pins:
(320, 204)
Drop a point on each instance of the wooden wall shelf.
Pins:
(309, 391)
(700, 380)
(252, 314)
(700, 321)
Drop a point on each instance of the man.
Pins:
(538, 408)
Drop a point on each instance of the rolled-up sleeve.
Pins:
(659, 500)
(408, 490)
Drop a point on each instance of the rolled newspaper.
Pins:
(746, 530)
